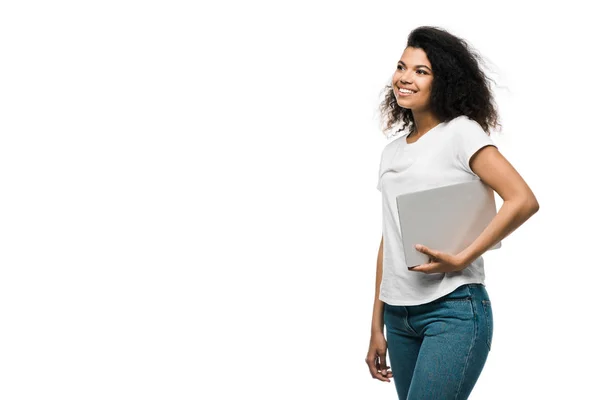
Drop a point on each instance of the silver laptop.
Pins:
(447, 218)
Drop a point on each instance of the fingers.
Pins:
(433, 254)
(429, 268)
(383, 366)
(373, 361)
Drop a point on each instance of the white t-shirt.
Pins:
(438, 158)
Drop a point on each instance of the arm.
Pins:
(377, 321)
(376, 356)
(518, 206)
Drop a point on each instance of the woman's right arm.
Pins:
(377, 321)
(376, 356)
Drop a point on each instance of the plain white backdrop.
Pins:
(188, 206)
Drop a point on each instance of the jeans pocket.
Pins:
(489, 321)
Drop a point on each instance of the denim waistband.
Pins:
(475, 291)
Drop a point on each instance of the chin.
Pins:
(404, 104)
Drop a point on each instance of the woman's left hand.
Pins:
(439, 261)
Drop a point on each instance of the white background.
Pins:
(188, 206)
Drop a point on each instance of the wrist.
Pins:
(376, 331)
(466, 258)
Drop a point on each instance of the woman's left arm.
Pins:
(519, 201)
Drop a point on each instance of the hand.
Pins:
(439, 261)
(376, 358)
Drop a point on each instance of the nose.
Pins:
(404, 76)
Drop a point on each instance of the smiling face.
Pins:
(413, 72)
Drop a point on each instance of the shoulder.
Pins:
(469, 126)
(466, 132)
(465, 125)
(394, 141)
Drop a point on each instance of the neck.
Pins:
(423, 122)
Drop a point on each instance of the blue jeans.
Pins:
(437, 350)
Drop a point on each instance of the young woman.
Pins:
(438, 316)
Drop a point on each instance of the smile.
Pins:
(405, 92)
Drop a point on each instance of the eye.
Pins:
(422, 71)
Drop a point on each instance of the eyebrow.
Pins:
(416, 66)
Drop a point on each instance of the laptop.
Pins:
(447, 218)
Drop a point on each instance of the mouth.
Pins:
(404, 92)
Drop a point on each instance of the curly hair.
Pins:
(459, 87)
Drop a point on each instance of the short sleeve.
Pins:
(470, 138)
(379, 173)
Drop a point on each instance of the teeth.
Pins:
(405, 91)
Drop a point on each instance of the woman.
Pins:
(438, 316)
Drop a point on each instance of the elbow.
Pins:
(531, 205)
(526, 206)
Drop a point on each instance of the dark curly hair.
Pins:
(459, 87)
